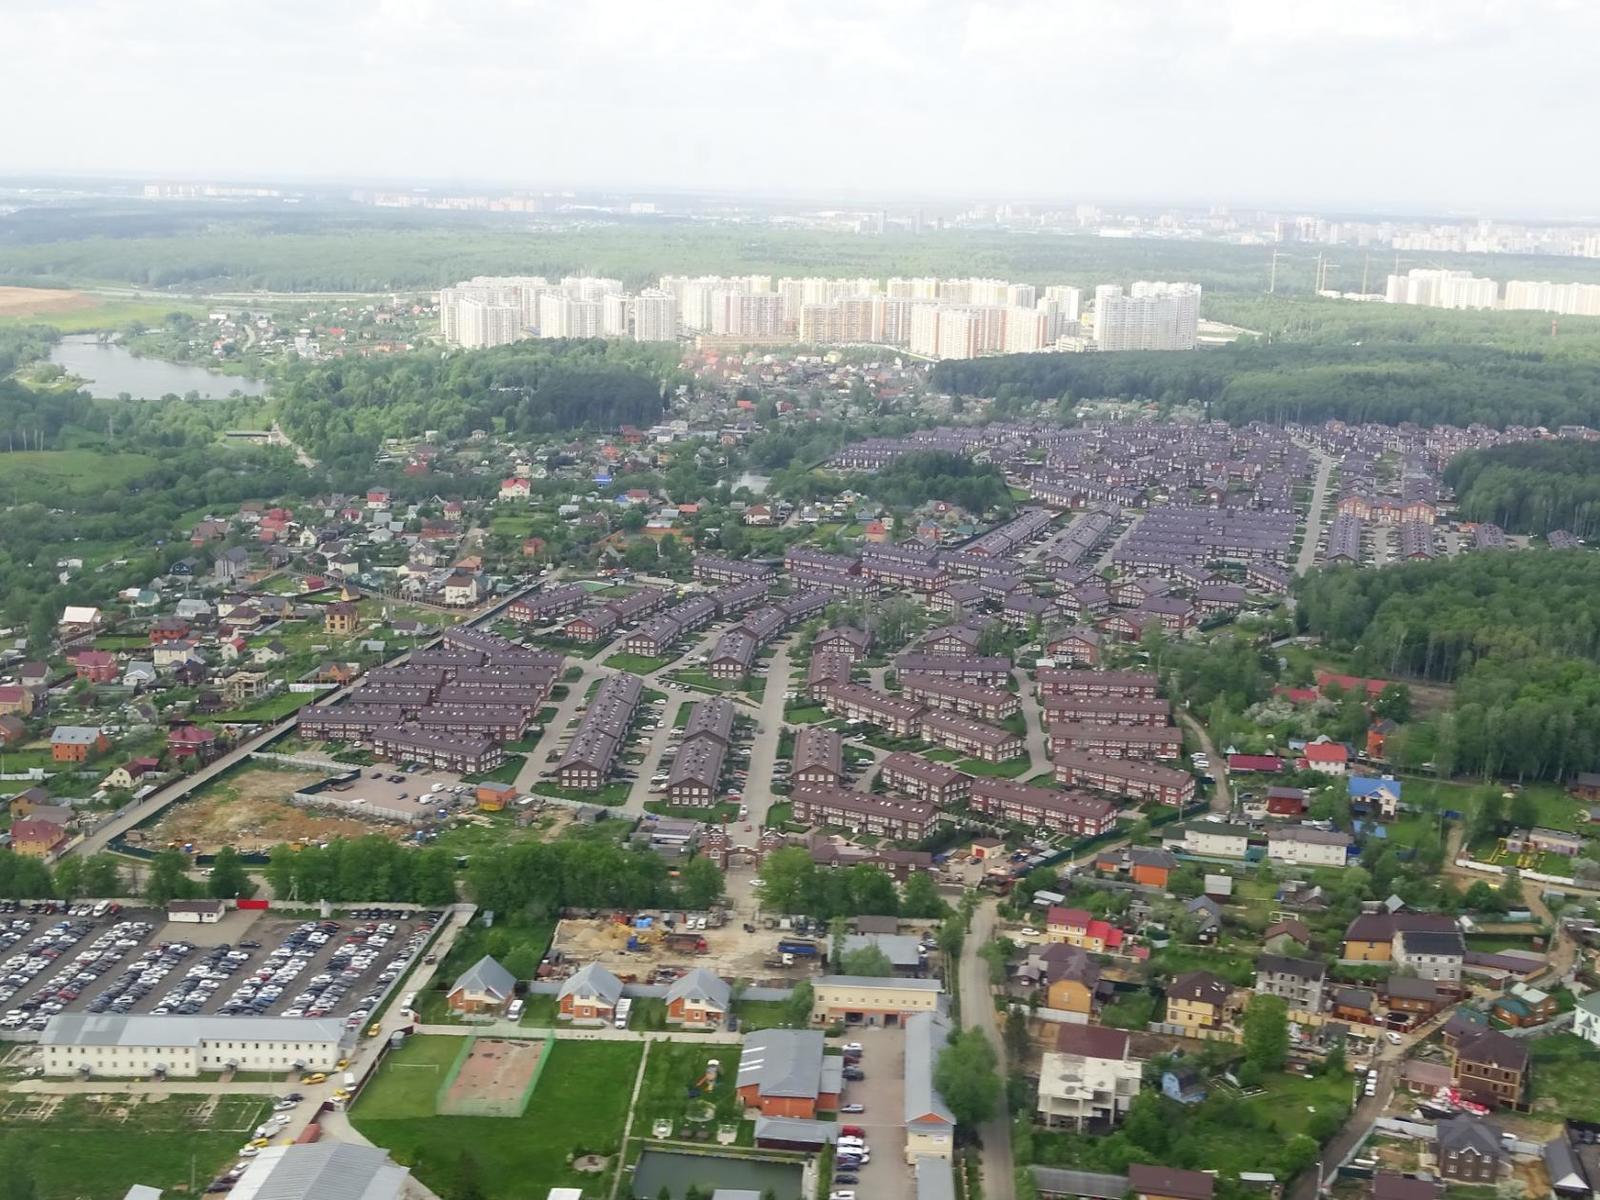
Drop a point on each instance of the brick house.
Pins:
(589, 997)
(484, 987)
(698, 999)
(77, 743)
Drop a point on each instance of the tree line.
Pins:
(1283, 383)
(926, 475)
(1530, 487)
(1518, 634)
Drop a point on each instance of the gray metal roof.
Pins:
(322, 1171)
(926, 1035)
(701, 984)
(935, 1178)
(794, 1129)
(110, 1029)
(593, 979)
(910, 985)
(486, 977)
(782, 1062)
(1057, 1181)
(901, 949)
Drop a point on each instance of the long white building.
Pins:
(123, 1046)
(1150, 316)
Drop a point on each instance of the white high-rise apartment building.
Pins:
(562, 317)
(1029, 330)
(924, 288)
(520, 292)
(1432, 288)
(615, 309)
(1564, 299)
(479, 324)
(655, 316)
(1068, 301)
(924, 337)
(1154, 316)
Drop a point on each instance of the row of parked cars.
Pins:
(83, 970)
(141, 977)
(202, 981)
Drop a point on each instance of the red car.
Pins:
(853, 1131)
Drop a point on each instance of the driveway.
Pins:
(883, 1060)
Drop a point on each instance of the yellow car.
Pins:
(341, 1094)
(316, 1077)
(343, 1063)
(374, 1030)
(259, 1143)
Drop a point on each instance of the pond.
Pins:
(110, 370)
(677, 1172)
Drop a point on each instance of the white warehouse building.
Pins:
(120, 1046)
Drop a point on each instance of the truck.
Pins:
(624, 1008)
(799, 947)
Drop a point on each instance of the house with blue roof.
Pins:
(1374, 796)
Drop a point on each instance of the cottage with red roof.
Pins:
(190, 741)
(1330, 758)
(1351, 683)
(515, 488)
(94, 666)
(37, 838)
(1266, 764)
(1076, 927)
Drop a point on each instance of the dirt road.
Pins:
(977, 1009)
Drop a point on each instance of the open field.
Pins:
(675, 1088)
(580, 1105)
(249, 809)
(93, 1147)
(79, 312)
(76, 471)
(1566, 1077)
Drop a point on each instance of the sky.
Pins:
(1397, 105)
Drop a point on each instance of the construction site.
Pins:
(657, 948)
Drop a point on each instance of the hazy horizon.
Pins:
(1431, 107)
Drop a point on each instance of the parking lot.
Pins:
(882, 1094)
(252, 963)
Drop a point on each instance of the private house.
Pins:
(1069, 978)
(930, 1125)
(94, 666)
(1169, 1183)
(1300, 845)
(1296, 980)
(1378, 798)
(1089, 1079)
(1370, 937)
(698, 999)
(1586, 1018)
(1491, 1067)
(1467, 1149)
(16, 699)
(36, 837)
(1437, 956)
(589, 996)
(783, 1073)
(484, 988)
(1183, 1084)
(77, 743)
(1077, 927)
(1417, 998)
(871, 1000)
(1391, 1185)
(1198, 1002)
(12, 730)
(341, 618)
(77, 620)
(1327, 758)
(191, 741)
(1151, 867)
(1524, 1005)
(128, 775)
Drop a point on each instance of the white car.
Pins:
(853, 1048)
(844, 1195)
(1395, 1038)
(1029, 931)
(851, 1109)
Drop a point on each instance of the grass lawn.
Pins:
(503, 941)
(639, 664)
(1009, 769)
(805, 714)
(581, 1104)
(759, 1014)
(780, 814)
(612, 794)
(1566, 1077)
(71, 471)
(102, 314)
(93, 1151)
(682, 716)
(273, 708)
(672, 1088)
(717, 814)
(506, 772)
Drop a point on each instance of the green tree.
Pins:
(797, 1008)
(865, 960)
(1334, 1064)
(786, 875)
(169, 878)
(1266, 1032)
(102, 876)
(700, 883)
(966, 1076)
(228, 880)
(523, 961)
(919, 897)
(1511, 888)
(1017, 1039)
(69, 878)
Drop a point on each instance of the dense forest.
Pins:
(925, 475)
(1517, 633)
(1386, 383)
(342, 409)
(1530, 487)
(344, 248)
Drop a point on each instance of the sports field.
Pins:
(494, 1078)
(580, 1104)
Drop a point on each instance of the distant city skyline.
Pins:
(1427, 107)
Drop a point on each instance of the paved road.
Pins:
(764, 749)
(1033, 715)
(1104, 560)
(977, 1010)
(1319, 496)
(1221, 794)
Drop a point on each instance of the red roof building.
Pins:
(1269, 764)
(186, 741)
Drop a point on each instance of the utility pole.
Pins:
(1365, 263)
(1272, 277)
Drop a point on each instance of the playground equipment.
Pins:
(707, 1081)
